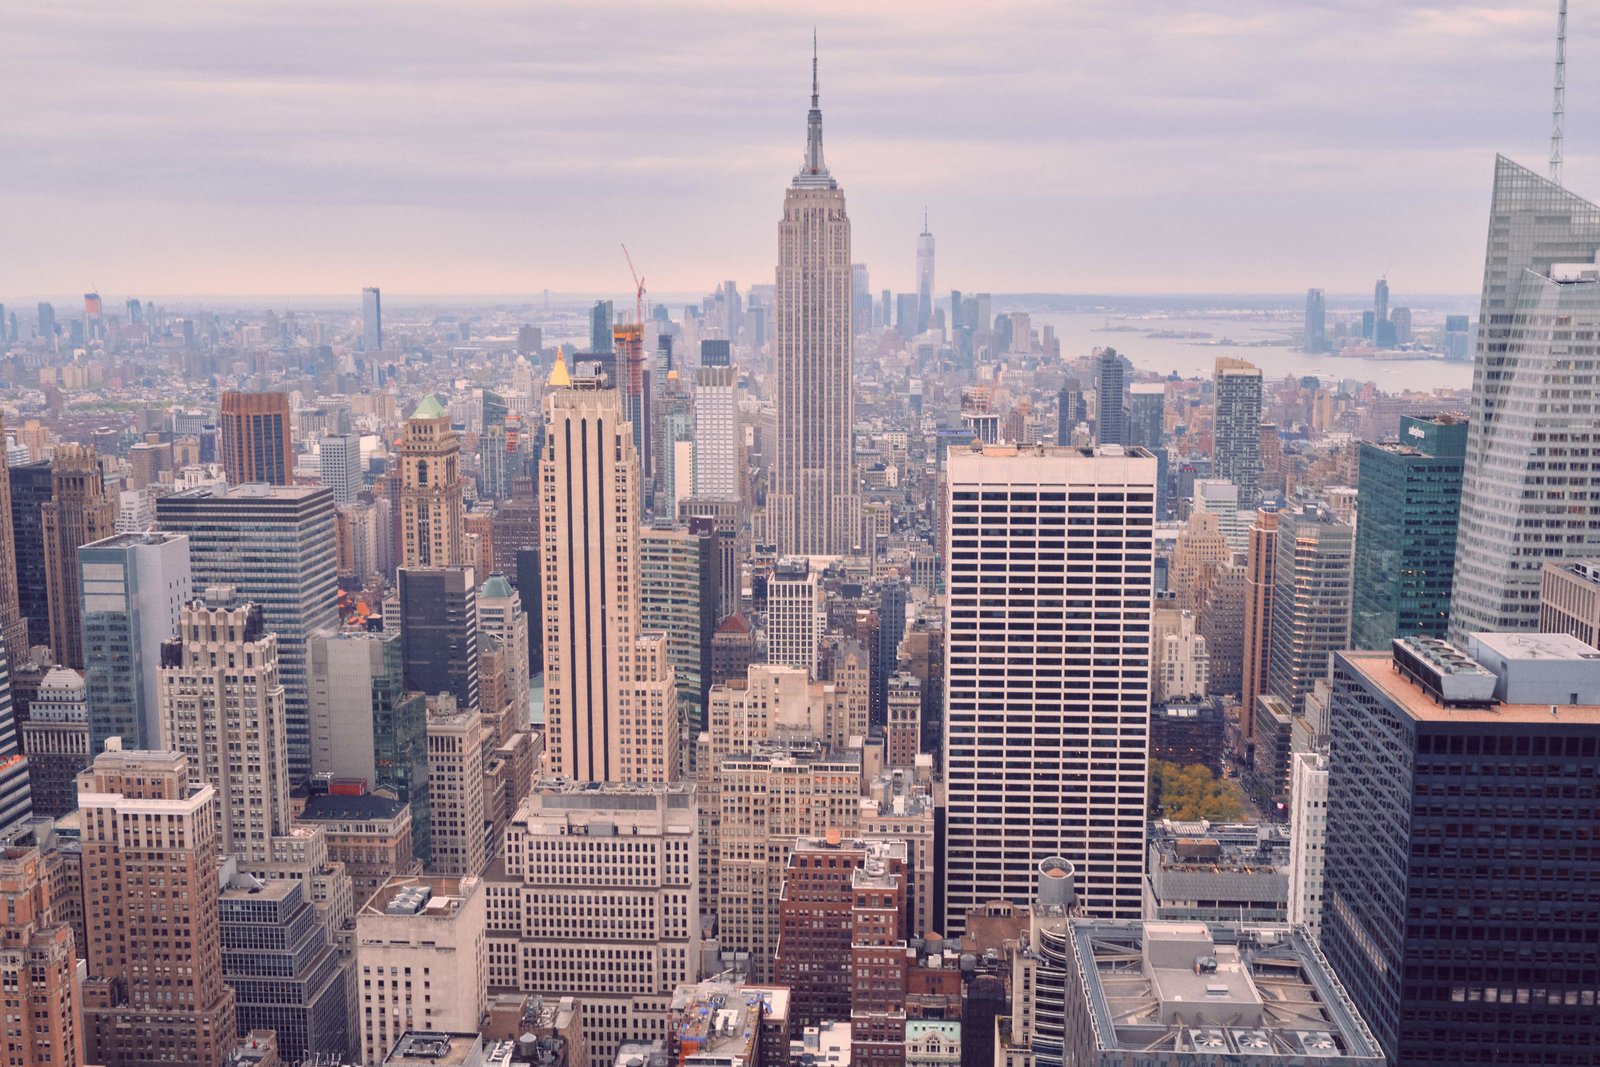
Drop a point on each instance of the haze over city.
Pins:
(494, 148)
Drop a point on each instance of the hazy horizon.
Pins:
(493, 147)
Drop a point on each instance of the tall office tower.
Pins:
(256, 438)
(134, 586)
(47, 322)
(1111, 399)
(733, 649)
(716, 423)
(601, 321)
(902, 728)
(1311, 574)
(1236, 428)
(366, 724)
(924, 277)
(222, 707)
(610, 700)
(1400, 319)
(815, 503)
(80, 511)
(38, 967)
(1308, 837)
(456, 742)
(430, 489)
(1180, 657)
(287, 975)
(860, 300)
(612, 849)
(500, 615)
(30, 486)
(1525, 485)
(13, 624)
(1197, 552)
(1147, 428)
(1406, 534)
(1380, 301)
(1066, 777)
(892, 595)
(439, 632)
(1261, 564)
(422, 958)
(371, 320)
(155, 992)
(16, 800)
(844, 902)
(796, 614)
(340, 455)
(678, 596)
(1448, 761)
(1221, 615)
(1315, 333)
(56, 738)
(275, 545)
(1071, 409)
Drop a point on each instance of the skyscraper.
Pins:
(1236, 428)
(1406, 532)
(1316, 327)
(1147, 428)
(1456, 775)
(431, 509)
(1380, 302)
(371, 320)
(255, 430)
(716, 423)
(30, 485)
(1310, 600)
(222, 707)
(16, 794)
(601, 321)
(814, 507)
(1527, 483)
(134, 587)
(439, 632)
(860, 299)
(340, 456)
(80, 511)
(275, 545)
(155, 992)
(1111, 400)
(13, 624)
(38, 967)
(610, 703)
(1046, 714)
(924, 276)
(679, 596)
(1261, 561)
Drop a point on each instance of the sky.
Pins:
(485, 147)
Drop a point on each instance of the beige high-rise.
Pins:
(155, 992)
(80, 511)
(431, 513)
(1257, 616)
(814, 507)
(38, 970)
(222, 706)
(611, 712)
(13, 627)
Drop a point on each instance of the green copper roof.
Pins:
(495, 587)
(430, 408)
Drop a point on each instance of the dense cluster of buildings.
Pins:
(783, 683)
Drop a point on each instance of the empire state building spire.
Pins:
(815, 171)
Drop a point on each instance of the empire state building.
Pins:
(814, 507)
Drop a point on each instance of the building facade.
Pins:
(255, 434)
(1236, 428)
(80, 511)
(431, 509)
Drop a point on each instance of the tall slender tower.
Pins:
(13, 626)
(1236, 428)
(80, 511)
(1527, 484)
(815, 503)
(1260, 567)
(431, 517)
(924, 276)
(256, 438)
(611, 711)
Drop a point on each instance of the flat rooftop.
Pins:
(419, 895)
(427, 1048)
(1172, 991)
(1378, 668)
(330, 807)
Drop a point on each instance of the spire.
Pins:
(559, 378)
(815, 171)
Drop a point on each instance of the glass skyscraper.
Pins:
(1410, 494)
(1236, 428)
(1111, 401)
(1528, 484)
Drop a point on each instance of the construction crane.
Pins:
(638, 282)
(1558, 107)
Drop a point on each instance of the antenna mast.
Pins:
(1558, 108)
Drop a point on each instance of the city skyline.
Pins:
(369, 145)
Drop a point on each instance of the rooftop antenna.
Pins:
(1558, 106)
